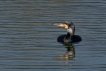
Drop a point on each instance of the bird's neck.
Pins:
(70, 33)
(68, 36)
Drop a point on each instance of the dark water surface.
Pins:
(28, 40)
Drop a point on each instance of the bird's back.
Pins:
(61, 38)
(74, 38)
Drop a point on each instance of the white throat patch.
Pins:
(70, 30)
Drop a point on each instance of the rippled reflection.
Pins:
(70, 50)
(70, 53)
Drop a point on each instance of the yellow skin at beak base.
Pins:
(64, 26)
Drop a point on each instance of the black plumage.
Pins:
(69, 37)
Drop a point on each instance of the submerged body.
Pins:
(69, 37)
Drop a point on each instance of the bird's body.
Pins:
(69, 37)
(73, 39)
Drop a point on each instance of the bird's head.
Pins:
(68, 25)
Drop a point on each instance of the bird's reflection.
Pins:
(70, 53)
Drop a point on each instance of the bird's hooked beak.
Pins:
(63, 25)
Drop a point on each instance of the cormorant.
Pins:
(69, 37)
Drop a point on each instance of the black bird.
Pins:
(69, 37)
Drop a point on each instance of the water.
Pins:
(28, 40)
